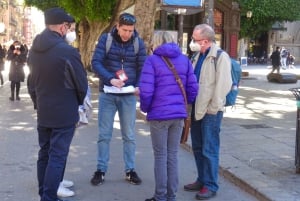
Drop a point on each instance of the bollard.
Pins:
(296, 92)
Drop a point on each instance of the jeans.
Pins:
(206, 145)
(109, 104)
(54, 148)
(165, 137)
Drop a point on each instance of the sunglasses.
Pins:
(127, 19)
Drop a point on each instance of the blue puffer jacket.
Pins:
(106, 65)
(160, 95)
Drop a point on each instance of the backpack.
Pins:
(236, 72)
(109, 40)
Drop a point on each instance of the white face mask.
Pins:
(195, 47)
(71, 37)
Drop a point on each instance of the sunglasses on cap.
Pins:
(127, 19)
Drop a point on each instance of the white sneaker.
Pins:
(66, 183)
(64, 192)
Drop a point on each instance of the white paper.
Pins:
(116, 90)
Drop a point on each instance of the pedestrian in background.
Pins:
(118, 68)
(161, 98)
(283, 54)
(57, 85)
(2, 63)
(17, 56)
(290, 61)
(275, 57)
(207, 111)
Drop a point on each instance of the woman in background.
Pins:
(17, 57)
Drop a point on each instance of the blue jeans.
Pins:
(109, 104)
(54, 149)
(165, 137)
(205, 135)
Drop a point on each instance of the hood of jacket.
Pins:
(46, 40)
(170, 50)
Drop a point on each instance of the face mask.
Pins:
(70, 37)
(195, 47)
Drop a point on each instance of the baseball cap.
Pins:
(57, 16)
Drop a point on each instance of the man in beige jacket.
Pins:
(214, 78)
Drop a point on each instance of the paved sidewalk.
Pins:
(258, 138)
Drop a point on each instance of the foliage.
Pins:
(92, 10)
(265, 13)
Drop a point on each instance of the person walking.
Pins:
(161, 98)
(275, 58)
(207, 111)
(2, 62)
(118, 68)
(283, 54)
(57, 85)
(17, 57)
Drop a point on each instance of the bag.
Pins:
(187, 121)
(236, 72)
(185, 130)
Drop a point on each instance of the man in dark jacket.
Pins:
(119, 70)
(57, 85)
(275, 57)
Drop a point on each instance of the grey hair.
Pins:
(161, 37)
(206, 31)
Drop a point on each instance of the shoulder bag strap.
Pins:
(177, 78)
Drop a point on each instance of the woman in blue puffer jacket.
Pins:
(163, 101)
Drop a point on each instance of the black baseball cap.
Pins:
(57, 16)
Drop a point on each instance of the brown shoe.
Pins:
(205, 194)
(196, 186)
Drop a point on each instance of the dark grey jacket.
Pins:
(57, 82)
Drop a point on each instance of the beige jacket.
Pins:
(214, 84)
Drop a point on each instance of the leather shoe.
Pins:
(205, 194)
(196, 186)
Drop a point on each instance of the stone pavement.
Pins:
(258, 138)
(19, 151)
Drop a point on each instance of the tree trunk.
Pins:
(89, 33)
(145, 12)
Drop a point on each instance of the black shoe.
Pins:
(133, 178)
(11, 98)
(196, 186)
(18, 98)
(151, 199)
(98, 178)
(205, 194)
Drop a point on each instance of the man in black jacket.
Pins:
(57, 85)
(275, 57)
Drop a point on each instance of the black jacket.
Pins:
(275, 57)
(57, 82)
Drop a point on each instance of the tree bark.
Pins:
(145, 13)
(89, 33)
